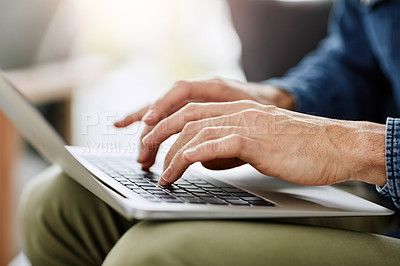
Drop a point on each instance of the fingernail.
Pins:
(146, 167)
(191, 153)
(146, 140)
(162, 182)
(167, 174)
(149, 116)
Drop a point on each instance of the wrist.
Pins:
(284, 99)
(267, 94)
(369, 154)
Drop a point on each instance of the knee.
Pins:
(46, 198)
(48, 206)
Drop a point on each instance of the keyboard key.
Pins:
(135, 176)
(221, 194)
(126, 182)
(117, 176)
(131, 186)
(242, 194)
(232, 198)
(148, 196)
(176, 190)
(261, 203)
(214, 200)
(199, 182)
(146, 187)
(182, 182)
(207, 186)
(142, 193)
(195, 190)
(181, 194)
(134, 179)
(143, 184)
(252, 198)
(165, 196)
(201, 194)
(160, 193)
(194, 200)
(172, 200)
(232, 189)
(237, 202)
(187, 186)
(189, 189)
(187, 196)
(214, 189)
(154, 199)
(151, 175)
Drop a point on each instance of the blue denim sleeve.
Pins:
(392, 187)
(339, 79)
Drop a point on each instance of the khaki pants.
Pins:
(64, 224)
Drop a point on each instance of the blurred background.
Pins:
(86, 63)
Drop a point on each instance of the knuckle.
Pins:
(189, 127)
(176, 157)
(181, 84)
(238, 141)
(168, 156)
(248, 103)
(218, 85)
(208, 131)
(218, 80)
(161, 126)
(190, 107)
(251, 113)
(213, 147)
(146, 130)
(270, 108)
(179, 154)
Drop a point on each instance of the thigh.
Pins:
(65, 224)
(249, 243)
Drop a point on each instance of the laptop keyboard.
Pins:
(188, 189)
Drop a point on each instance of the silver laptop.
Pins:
(200, 194)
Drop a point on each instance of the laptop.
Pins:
(118, 180)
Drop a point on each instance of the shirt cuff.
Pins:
(392, 150)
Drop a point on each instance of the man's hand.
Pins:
(295, 147)
(215, 90)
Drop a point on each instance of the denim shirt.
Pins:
(355, 74)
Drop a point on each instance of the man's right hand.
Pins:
(214, 90)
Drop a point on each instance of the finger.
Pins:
(147, 154)
(179, 164)
(232, 146)
(193, 112)
(152, 154)
(191, 129)
(194, 137)
(132, 118)
(172, 101)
